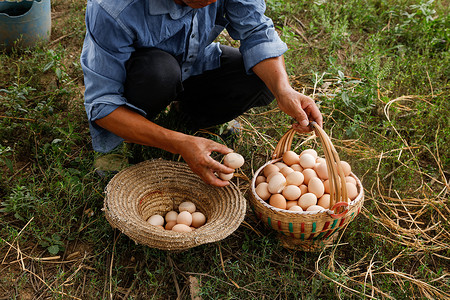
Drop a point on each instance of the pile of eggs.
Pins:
(185, 219)
(232, 160)
(299, 182)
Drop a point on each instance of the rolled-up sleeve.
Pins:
(257, 34)
(107, 46)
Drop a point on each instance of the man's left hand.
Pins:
(302, 108)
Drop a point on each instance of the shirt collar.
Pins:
(161, 7)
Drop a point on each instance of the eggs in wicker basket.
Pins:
(299, 182)
(185, 219)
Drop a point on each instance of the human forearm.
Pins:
(272, 71)
(135, 128)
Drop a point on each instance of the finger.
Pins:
(204, 160)
(302, 118)
(313, 111)
(220, 148)
(301, 129)
(214, 164)
(209, 146)
(212, 179)
(218, 167)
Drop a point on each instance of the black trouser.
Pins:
(212, 98)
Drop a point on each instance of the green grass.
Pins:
(379, 71)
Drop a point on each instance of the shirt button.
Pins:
(185, 70)
(191, 56)
(193, 35)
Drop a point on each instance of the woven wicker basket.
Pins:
(310, 230)
(158, 186)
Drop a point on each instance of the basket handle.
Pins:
(338, 189)
(284, 144)
(343, 211)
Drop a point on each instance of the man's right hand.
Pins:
(196, 151)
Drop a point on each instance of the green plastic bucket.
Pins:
(24, 23)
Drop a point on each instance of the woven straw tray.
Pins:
(158, 186)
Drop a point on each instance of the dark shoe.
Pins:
(233, 127)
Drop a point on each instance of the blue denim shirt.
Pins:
(115, 28)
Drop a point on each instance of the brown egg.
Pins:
(320, 160)
(324, 201)
(291, 203)
(291, 192)
(185, 218)
(278, 201)
(276, 184)
(295, 208)
(308, 174)
(170, 224)
(316, 187)
(286, 171)
(225, 177)
(290, 158)
(346, 167)
(269, 169)
(181, 228)
(260, 179)
(352, 190)
(303, 188)
(171, 216)
(307, 200)
(307, 161)
(198, 219)
(295, 178)
(156, 220)
(160, 226)
(186, 206)
(262, 190)
(271, 175)
(315, 208)
(350, 179)
(281, 165)
(297, 167)
(233, 160)
(310, 152)
(321, 170)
